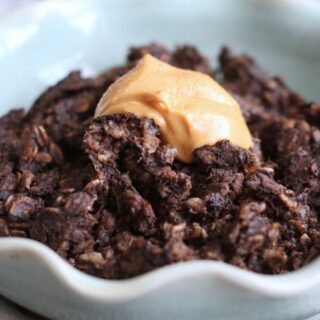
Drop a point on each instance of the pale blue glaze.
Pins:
(40, 45)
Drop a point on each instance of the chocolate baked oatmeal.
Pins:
(114, 200)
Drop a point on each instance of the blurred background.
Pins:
(7, 6)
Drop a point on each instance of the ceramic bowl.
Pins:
(40, 44)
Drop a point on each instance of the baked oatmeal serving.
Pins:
(165, 160)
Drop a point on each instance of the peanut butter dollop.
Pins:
(190, 108)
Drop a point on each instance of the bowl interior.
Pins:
(39, 45)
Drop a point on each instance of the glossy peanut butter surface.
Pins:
(190, 108)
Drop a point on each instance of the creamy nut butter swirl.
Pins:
(190, 108)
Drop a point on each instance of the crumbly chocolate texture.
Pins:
(110, 198)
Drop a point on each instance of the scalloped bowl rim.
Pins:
(277, 286)
(85, 285)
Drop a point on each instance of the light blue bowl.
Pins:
(39, 45)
